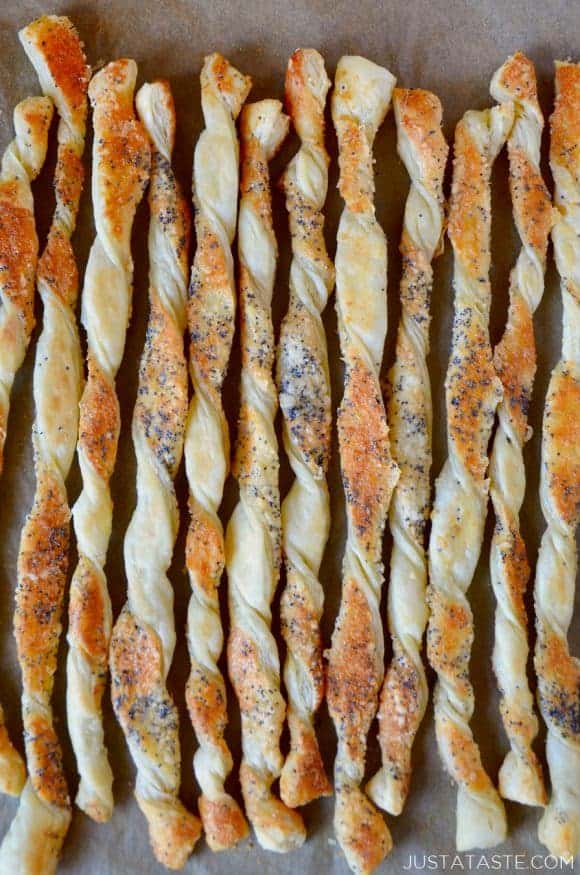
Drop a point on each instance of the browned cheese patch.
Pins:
(44, 759)
(261, 703)
(62, 51)
(211, 308)
(464, 755)
(515, 363)
(161, 406)
(472, 392)
(400, 714)
(141, 702)
(449, 639)
(562, 444)
(206, 702)
(300, 628)
(42, 568)
(368, 472)
(204, 551)
(558, 682)
(87, 613)
(18, 253)
(99, 421)
(356, 183)
(122, 149)
(354, 672)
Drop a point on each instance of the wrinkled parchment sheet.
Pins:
(449, 46)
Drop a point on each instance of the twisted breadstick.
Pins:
(473, 392)
(304, 386)
(360, 101)
(520, 777)
(558, 671)
(35, 837)
(21, 163)
(120, 173)
(404, 696)
(212, 306)
(143, 639)
(253, 533)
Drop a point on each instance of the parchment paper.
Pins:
(449, 46)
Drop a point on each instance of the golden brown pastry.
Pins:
(211, 317)
(472, 393)
(360, 101)
(557, 670)
(304, 387)
(34, 839)
(121, 159)
(143, 639)
(253, 534)
(21, 163)
(520, 776)
(404, 696)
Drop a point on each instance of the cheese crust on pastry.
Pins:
(21, 163)
(34, 839)
(405, 694)
(472, 392)
(121, 158)
(143, 639)
(557, 670)
(304, 389)
(360, 101)
(211, 321)
(253, 550)
(520, 776)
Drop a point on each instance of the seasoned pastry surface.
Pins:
(304, 390)
(360, 101)
(557, 670)
(34, 839)
(404, 695)
(472, 393)
(211, 319)
(143, 638)
(21, 163)
(520, 776)
(253, 549)
(121, 158)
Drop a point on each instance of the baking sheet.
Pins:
(449, 46)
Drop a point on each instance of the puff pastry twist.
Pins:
(473, 392)
(360, 101)
(212, 307)
(520, 776)
(405, 694)
(33, 842)
(143, 639)
(121, 159)
(253, 534)
(21, 163)
(557, 670)
(304, 387)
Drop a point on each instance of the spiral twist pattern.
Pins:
(557, 670)
(121, 158)
(143, 639)
(473, 392)
(211, 316)
(253, 550)
(21, 163)
(404, 696)
(360, 101)
(304, 387)
(37, 832)
(520, 776)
